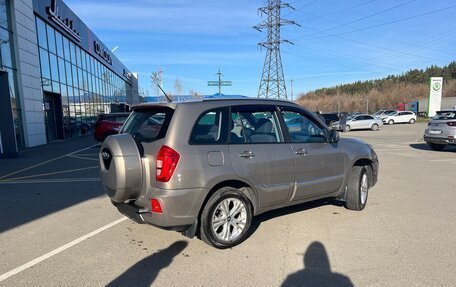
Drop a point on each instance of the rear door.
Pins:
(259, 153)
(319, 165)
(356, 123)
(402, 117)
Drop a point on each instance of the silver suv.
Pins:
(441, 130)
(207, 167)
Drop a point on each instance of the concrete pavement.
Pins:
(406, 236)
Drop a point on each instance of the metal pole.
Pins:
(291, 82)
(367, 106)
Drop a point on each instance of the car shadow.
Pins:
(317, 270)
(424, 146)
(144, 272)
(257, 220)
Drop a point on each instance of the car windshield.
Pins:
(445, 115)
(378, 113)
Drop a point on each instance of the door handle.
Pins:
(301, 151)
(247, 154)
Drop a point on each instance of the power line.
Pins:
(360, 19)
(343, 10)
(353, 30)
(400, 20)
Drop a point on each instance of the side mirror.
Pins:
(333, 136)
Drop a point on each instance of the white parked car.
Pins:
(400, 117)
(359, 122)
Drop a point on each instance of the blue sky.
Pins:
(339, 41)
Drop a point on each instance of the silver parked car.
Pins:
(359, 122)
(211, 165)
(441, 130)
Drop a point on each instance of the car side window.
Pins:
(211, 128)
(303, 129)
(255, 126)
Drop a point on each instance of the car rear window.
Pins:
(445, 115)
(148, 125)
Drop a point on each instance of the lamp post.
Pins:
(367, 104)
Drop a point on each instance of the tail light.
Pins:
(167, 160)
(451, 124)
(155, 206)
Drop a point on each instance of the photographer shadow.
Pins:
(144, 272)
(317, 271)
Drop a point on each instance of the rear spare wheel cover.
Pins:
(121, 175)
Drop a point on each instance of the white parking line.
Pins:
(62, 180)
(47, 161)
(58, 250)
(442, 160)
(81, 157)
(50, 173)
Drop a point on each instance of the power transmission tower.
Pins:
(272, 84)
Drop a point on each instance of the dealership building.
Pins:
(56, 76)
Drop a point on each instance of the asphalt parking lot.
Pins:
(57, 228)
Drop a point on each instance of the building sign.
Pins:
(435, 95)
(102, 52)
(58, 15)
(127, 74)
(65, 23)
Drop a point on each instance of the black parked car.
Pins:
(330, 118)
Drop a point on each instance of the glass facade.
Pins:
(85, 86)
(7, 64)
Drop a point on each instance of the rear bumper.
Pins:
(436, 140)
(180, 208)
(140, 216)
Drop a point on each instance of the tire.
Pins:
(436, 147)
(358, 188)
(213, 232)
(391, 122)
(412, 121)
(347, 128)
(374, 127)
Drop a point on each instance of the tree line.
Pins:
(383, 93)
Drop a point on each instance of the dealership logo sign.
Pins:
(436, 86)
(65, 23)
(102, 52)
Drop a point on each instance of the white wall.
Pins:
(28, 72)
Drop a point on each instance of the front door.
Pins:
(53, 116)
(319, 164)
(259, 154)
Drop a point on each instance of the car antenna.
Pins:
(168, 98)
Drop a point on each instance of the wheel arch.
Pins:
(370, 166)
(243, 186)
